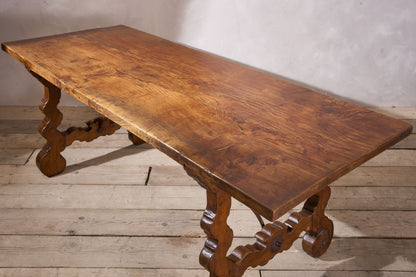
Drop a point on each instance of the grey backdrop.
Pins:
(360, 50)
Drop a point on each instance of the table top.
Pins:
(268, 143)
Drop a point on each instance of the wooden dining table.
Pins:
(238, 132)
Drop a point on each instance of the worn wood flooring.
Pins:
(109, 215)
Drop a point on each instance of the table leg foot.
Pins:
(319, 233)
(50, 163)
(316, 243)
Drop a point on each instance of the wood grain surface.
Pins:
(268, 143)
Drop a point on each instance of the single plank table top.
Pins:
(268, 143)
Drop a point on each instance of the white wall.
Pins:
(364, 50)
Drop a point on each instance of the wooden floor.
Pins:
(123, 210)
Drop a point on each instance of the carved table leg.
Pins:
(319, 233)
(49, 159)
(274, 237)
(219, 235)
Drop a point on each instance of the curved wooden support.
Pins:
(219, 235)
(98, 127)
(273, 238)
(276, 237)
(319, 233)
(135, 139)
(49, 159)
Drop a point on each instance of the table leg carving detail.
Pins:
(272, 239)
(98, 127)
(49, 160)
(319, 233)
(219, 235)
(276, 237)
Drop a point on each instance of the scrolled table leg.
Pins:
(273, 238)
(318, 236)
(49, 160)
(219, 235)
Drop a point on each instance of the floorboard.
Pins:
(108, 272)
(183, 252)
(185, 223)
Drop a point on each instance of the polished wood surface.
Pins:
(268, 143)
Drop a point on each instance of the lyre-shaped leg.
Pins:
(49, 160)
(318, 235)
(219, 235)
(274, 237)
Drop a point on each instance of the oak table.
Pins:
(238, 132)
